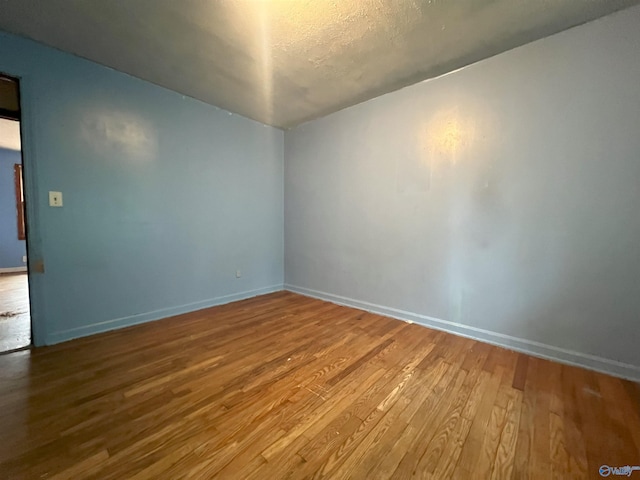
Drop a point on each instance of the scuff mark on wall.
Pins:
(120, 132)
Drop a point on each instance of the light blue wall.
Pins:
(500, 201)
(165, 197)
(11, 249)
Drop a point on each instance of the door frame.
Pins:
(31, 201)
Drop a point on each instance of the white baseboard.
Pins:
(85, 330)
(13, 270)
(536, 349)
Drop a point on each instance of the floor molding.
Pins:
(537, 349)
(85, 330)
(13, 270)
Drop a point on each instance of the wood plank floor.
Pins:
(15, 321)
(284, 386)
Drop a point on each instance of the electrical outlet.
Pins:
(24, 259)
(55, 199)
(238, 273)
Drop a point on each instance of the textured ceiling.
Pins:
(283, 62)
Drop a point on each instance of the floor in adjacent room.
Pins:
(285, 386)
(15, 321)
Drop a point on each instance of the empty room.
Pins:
(291, 239)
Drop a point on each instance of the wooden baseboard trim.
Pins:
(85, 330)
(13, 270)
(530, 347)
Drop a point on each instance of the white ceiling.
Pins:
(9, 134)
(283, 62)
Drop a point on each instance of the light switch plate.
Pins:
(55, 199)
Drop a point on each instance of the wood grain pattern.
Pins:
(288, 387)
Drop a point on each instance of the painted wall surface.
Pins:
(11, 249)
(502, 198)
(165, 197)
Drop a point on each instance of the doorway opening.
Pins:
(15, 317)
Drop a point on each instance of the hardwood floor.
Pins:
(284, 386)
(15, 321)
